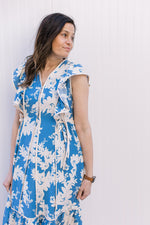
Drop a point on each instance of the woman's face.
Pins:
(63, 42)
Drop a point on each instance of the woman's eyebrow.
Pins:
(68, 31)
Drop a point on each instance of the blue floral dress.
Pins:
(48, 164)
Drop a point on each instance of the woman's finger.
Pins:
(6, 185)
(79, 193)
(84, 195)
(7, 188)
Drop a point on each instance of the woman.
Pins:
(51, 164)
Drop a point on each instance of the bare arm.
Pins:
(14, 136)
(80, 92)
(8, 180)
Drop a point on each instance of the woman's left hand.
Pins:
(85, 189)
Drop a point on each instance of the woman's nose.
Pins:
(69, 41)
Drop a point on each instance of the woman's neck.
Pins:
(52, 62)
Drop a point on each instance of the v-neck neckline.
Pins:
(42, 86)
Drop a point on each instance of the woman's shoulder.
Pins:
(18, 75)
(75, 67)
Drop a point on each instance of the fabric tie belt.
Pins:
(59, 128)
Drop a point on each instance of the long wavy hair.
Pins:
(49, 28)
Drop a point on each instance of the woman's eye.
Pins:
(64, 35)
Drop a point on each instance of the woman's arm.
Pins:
(14, 136)
(8, 180)
(80, 92)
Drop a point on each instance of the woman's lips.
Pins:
(67, 49)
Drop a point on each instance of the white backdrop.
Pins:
(113, 42)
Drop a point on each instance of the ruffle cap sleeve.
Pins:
(17, 78)
(62, 107)
(78, 69)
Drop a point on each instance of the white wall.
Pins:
(112, 41)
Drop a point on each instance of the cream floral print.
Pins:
(48, 164)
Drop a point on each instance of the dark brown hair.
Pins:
(49, 28)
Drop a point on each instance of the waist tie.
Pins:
(67, 133)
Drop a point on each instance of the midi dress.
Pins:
(48, 165)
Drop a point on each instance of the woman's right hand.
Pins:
(8, 182)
